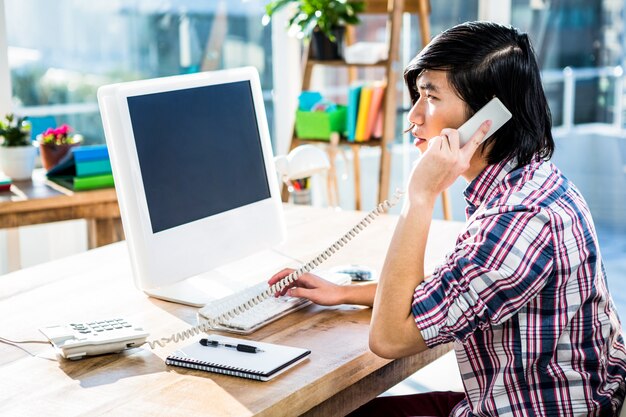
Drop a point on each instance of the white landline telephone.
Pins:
(75, 341)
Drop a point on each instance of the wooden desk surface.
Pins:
(37, 201)
(340, 374)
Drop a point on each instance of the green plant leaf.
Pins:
(275, 6)
(325, 14)
(14, 132)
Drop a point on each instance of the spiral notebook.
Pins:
(262, 366)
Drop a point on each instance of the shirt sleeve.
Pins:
(500, 263)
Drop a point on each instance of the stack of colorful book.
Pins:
(365, 111)
(5, 183)
(83, 168)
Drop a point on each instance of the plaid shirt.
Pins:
(524, 298)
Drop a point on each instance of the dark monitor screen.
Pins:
(199, 152)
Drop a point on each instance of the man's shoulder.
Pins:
(534, 186)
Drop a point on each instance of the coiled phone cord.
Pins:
(210, 324)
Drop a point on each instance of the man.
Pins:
(523, 295)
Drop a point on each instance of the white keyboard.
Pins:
(263, 313)
(77, 340)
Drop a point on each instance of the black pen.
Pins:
(240, 347)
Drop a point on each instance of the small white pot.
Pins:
(18, 162)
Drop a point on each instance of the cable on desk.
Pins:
(17, 343)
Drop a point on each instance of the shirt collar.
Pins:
(483, 186)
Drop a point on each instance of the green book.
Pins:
(84, 183)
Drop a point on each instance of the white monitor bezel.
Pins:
(167, 257)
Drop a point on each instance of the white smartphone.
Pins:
(494, 111)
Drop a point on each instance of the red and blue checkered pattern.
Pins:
(524, 298)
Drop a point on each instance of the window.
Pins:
(596, 26)
(60, 52)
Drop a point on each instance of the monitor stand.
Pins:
(227, 279)
(195, 291)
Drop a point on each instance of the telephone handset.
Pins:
(494, 110)
(210, 324)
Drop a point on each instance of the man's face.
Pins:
(437, 108)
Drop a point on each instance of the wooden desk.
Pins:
(340, 374)
(36, 201)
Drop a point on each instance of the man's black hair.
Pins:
(483, 60)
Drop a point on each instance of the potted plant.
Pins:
(55, 143)
(322, 21)
(17, 154)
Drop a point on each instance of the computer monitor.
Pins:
(194, 174)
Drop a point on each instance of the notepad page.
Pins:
(273, 356)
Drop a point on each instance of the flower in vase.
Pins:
(59, 136)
